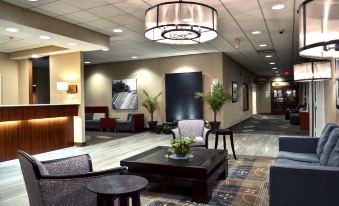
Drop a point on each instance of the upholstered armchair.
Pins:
(134, 122)
(192, 128)
(62, 181)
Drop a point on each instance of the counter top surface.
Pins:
(35, 105)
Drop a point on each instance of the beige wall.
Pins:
(264, 98)
(9, 80)
(68, 68)
(150, 75)
(232, 71)
(331, 113)
(23, 81)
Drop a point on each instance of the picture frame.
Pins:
(124, 94)
(337, 82)
(234, 91)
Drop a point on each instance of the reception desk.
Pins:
(35, 128)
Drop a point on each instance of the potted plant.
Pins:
(181, 146)
(158, 129)
(216, 98)
(167, 128)
(151, 104)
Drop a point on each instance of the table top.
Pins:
(204, 160)
(117, 184)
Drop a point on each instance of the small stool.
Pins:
(122, 187)
(224, 132)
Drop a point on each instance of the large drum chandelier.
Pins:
(181, 22)
(319, 28)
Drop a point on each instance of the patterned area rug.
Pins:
(247, 184)
(93, 137)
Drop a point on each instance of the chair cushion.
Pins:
(334, 158)
(324, 137)
(88, 116)
(294, 162)
(42, 169)
(98, 116)
(329, 146)
(298, 156)
(191, 128)
(199, 141)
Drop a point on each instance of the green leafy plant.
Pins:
(151, 103)
(166, 128)
(181, 146)
(216, 98)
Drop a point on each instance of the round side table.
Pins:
(122, 187)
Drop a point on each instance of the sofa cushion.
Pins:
(88, 116)
(199, 141)
(324, 137)
(329, 146)
(98, 116)
(334, 158)
(191, 128)
(294, 162)
(298, 156)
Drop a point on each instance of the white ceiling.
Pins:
(236, 20)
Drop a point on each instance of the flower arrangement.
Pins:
(181, 147)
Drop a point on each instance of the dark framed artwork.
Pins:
(124, 94)
(234, 91)
(246, 105)
(337, 81)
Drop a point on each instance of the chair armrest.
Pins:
(69, 165)
(206, 132)
(175, 133)
(68, 190)
(298, 144)
(303, 185)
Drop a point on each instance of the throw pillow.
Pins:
(88, 116)
(329, 146)
(324, 137)
(98, 116)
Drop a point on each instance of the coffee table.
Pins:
(206, 166)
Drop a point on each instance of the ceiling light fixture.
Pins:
(256, 32)
(134, 57)
(33, 0)
(268, 56)
(263, 45)
(318, 29)
(72, 44)
(117, 30)
(278, 6)
(87, 62)
(44, 37)
(274, 68)
(181, 22)
(11, 29)
(105, 49)
(272, 62)
(35, 56)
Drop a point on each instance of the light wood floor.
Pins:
(107, 155)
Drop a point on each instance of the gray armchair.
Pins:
(62, 181)
(306, 170)
(134, 122)
(193, 128)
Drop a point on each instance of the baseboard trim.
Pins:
(80, 144)
(231, 127)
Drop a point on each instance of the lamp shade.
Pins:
(310, 71)
(181, 22)
(319, 28)
(62, 86)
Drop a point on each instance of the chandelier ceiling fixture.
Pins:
(181, 22)
(319, 28)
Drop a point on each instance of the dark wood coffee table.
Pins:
(206, 166)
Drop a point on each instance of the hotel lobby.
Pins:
(169, 103)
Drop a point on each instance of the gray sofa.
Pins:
(306, 170)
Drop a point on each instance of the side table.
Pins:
(224, 132)
(122, 187)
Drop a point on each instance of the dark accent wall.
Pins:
(41, 88)
(180, 101)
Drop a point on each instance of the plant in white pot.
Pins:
(151, 104)
(216, 98)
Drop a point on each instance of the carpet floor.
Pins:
(247, 184)
(93, 137)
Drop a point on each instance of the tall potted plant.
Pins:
(216, 98)
(151, 104)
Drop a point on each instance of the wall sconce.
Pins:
(72, 89)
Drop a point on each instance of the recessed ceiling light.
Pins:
(117, 30)
(34, 56)
(105, 49)
(11, 29)
(272, 62)
(256, 32)
(72, 44)
(268, 56)
(274, 68)
(134, 57)
(44, 37)
(32, 0)
(87, 62)
(278, 6)
(262, 45)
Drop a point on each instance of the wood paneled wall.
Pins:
(35, 129)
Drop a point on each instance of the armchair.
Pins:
(193, 128)
(62, 181)
(134, 122)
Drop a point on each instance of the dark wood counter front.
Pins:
(35, 129)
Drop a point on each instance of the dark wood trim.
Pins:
(80, 144)
(30, 81)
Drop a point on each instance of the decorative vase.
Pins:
(152, 124)
(182, 152)
(215, 125)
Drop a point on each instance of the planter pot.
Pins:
(181, 153)
(157, 129)
(215, 125)
(166, 131)
(152, 124)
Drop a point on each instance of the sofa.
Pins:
(306, 170)
(133, 122)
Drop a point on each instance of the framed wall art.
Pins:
(234, 91)
(337, 82)
(124, 94)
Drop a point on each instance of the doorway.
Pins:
(283, 95)
(40, 81)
